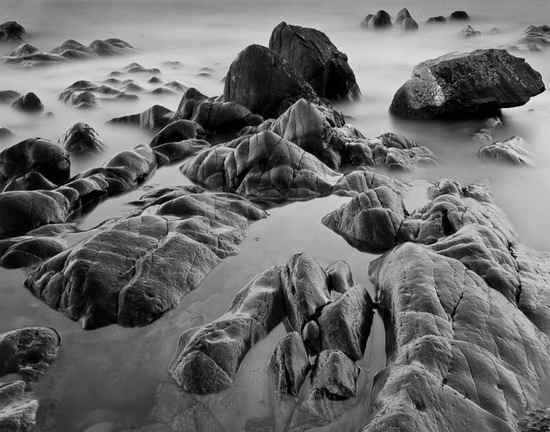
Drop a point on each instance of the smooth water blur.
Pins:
(111, 373)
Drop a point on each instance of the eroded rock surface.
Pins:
(512, 150)
(483, 82)
(81, 138)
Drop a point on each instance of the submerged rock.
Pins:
(469, 32)
(8, 96)
(459, 16)
(137, 269)
(34, 155)
(29, 103)
(311, 53)
(409, 24)
(12, 31)
(381, 20)
(245, 82)
(511, 150)
(26, 251)
(402, 15)
(5, 133)
(535, 38)
(436, 20)
(81, 138)
(483, 82)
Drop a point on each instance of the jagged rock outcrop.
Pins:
(33, 155)
(511, 150)
(246, 84)
(81, 138)
(140, 267)
(483, 82)
(311, 53)
(263, 166)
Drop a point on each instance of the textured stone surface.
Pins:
(137, 269)
(473, 84)
(81, 138)
(311, 53)
(512, 150)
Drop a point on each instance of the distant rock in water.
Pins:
(381, 20)
(5, 133)
(511, 150)
(436, 20)
(8, 96)
(153, 118)
(36, 155)
(12, 31)
(28, 103)
(402, 15)
(84, 94)
(246, 82)
(459, 16)
(467, 85)
(469, 32)
(535, 38)
(409, 24)
(366, 21)
(70, 50)
(311, 53)
(81, 138)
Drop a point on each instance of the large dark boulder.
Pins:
(28, 103)
(312, 54)
(34, 154)
(263, 82)
(12, 31)
(381, 20)
(473, 84)
(459, 15)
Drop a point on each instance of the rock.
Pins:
(311, 336)
(5, 133)
(483, 82)
(511, 150)
(339, 277)
(71, 45)
(264, 166)
(17, 408)
(305, 290)
(245, 82)
(436, 20)
(29, 103)
(453, 341)
(459, 16)
(175, 131)
(34, 154)
(409, 24)
(81, 138)
(12, 31)
(178, 151)
(86, 94)
(366, 21)
(469, 32)
(312, 54)
(402, 15)
(29, 251)
(335, 377)
(110, 47)
(371, 221)
(288, 366)
(535, 38)
(345, 323)
(381, 20)
(138, 68)
(8, 96)
(32, 180)
(208, 358)
(153, 119)
(28, 351)
(135, 270)
(397, 152)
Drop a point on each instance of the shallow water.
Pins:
(111, 373)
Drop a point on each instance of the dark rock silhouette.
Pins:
(81, 138)
(28, 103)
(12, 31)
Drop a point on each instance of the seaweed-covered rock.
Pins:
(483, 82)
(140, 267)
(81, 138)
(311, 53)
(246, 83)
(34, 155)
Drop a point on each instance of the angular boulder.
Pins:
(467, 85)
(311, 53)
